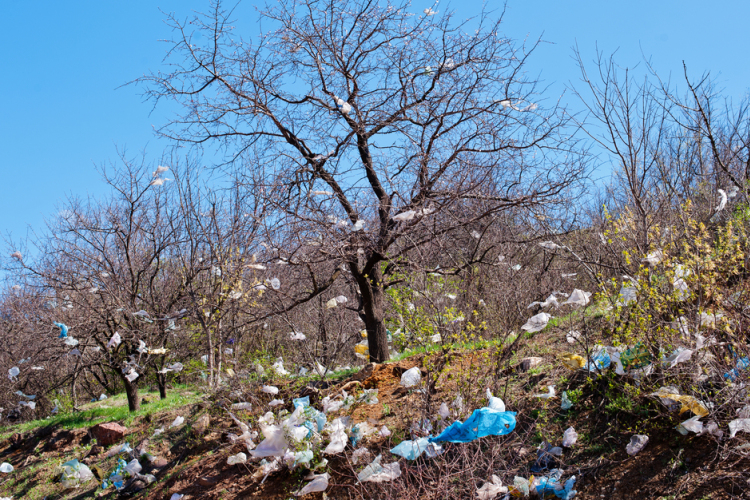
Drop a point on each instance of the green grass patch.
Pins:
(114, 408)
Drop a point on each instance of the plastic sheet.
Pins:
(482, 422)
(740, 424)
(566, 404)
(377, 473)
(6, 468)
(578, 298)
(177, 422)
(319, 483)
(411, 450)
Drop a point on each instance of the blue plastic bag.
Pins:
(303, 402)
(410, 450)
(63, 330)
(552, 485)
(483, 422)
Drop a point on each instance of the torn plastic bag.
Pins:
(680, 355)
(319, 483)
(361, 455)
(13, 372)
(636, 444)
(269, 389)
(522, 485)
(491, 489)
(411, 377)
(549, 395)
(570, 436)
(636, 357)
(133, 467)
(688, 402)
(600, 360)
(483, 422)
(411, 450)
(546, 457)
(177, 422)
(691, 425)
(338, 437)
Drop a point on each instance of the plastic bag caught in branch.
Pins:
(688, 402)
(578, 298)
(536, 323)
(376, 473)
(63, 330)
(491, 489)
(482, 422)
(740, 424)
(493, 403)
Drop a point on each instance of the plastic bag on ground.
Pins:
(493, 403)
(133, 467)
(740, 424)
(578, 298)
(6, 468)
(572, 337)
(411, 450)
(384, 431)
(570, 436)
(566, 404)
(491, 489)
(361, 454)
(688, 402)
(319, 483)
(239, 458)
(572, 361)
(177, 422)
(551, 485)
(411, 377)
(692, 425)
(269, 389)
(550, 393)
(242, 406)
(482, 422)
(522, 485)
(636, 444)
(338, 438)
(444, 412)
(377, 473)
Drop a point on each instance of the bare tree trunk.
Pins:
(373, 300)
(211, 358)
(131, 391)
(161, 380)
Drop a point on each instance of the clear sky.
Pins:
(63, 109)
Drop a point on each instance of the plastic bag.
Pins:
(570, 436)
(319, 483)
(411, 450)
(572, 361)
(242, 406)
(338, 437)
(177, 422)
(522, 485)
(566, 404)
(63, 330)
(411, 377)
(688, 402)
(740, 424)
(482, 422)
(123, 448)
(536, 323)
(636, 444)
(269, 389)
(297, 336)
(551, 484)
(239, 458)
(550, 393)
(133, 467)
(493, 402)
(276, 402)
(636, 357)
(376, 473)
(384, 432)
(573, 336)
(491, 489)
(6, 468)
(578, 298)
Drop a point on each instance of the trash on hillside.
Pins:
(573, 336)
(276, 402)
(680, 355)
(550, 393)
(384, 431)
(493, 402)
(578, 298)
(6, 468)
(444, 412)
(551, 485)
(331, 304)
(133, 467)
(123, 448)
(74, 473)
(628, 294)
(13, 373)
(297, 336)
(742, 364)
(712, 428)
(668, 394)
(572, 361)
(176, 496)
(70, 341)
(482, 422)
(63, 330)
(411, 377)
(635, 357)
(722, 200)
(27, 396)
(30, 404)
(740, 424)
(242, 406)
(270, 389)
(239, 458)
(361, 454)
(599, 361)
(177, 422)
(491, 489)
(376, 473)
(278, 367)
(636, 444)
(570, 436)
(338, 437)
(566, 404)
(536, 323)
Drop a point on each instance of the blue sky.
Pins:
(64, 111)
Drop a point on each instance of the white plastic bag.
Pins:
(239, 458)
(536, 323)
(319, 483)
(491, 489)
(177, 422)
(570, 436)
(6, 468)
(636, 444)
(411, 377)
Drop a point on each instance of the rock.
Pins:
(364, 372)
(137, 485)
(527, 364)
(159, 462)
(96, 450)
(400, 392)
(201, 425)
(108, 434)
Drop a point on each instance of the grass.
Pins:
(114, 408)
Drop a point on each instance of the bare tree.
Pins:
(364, 124)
